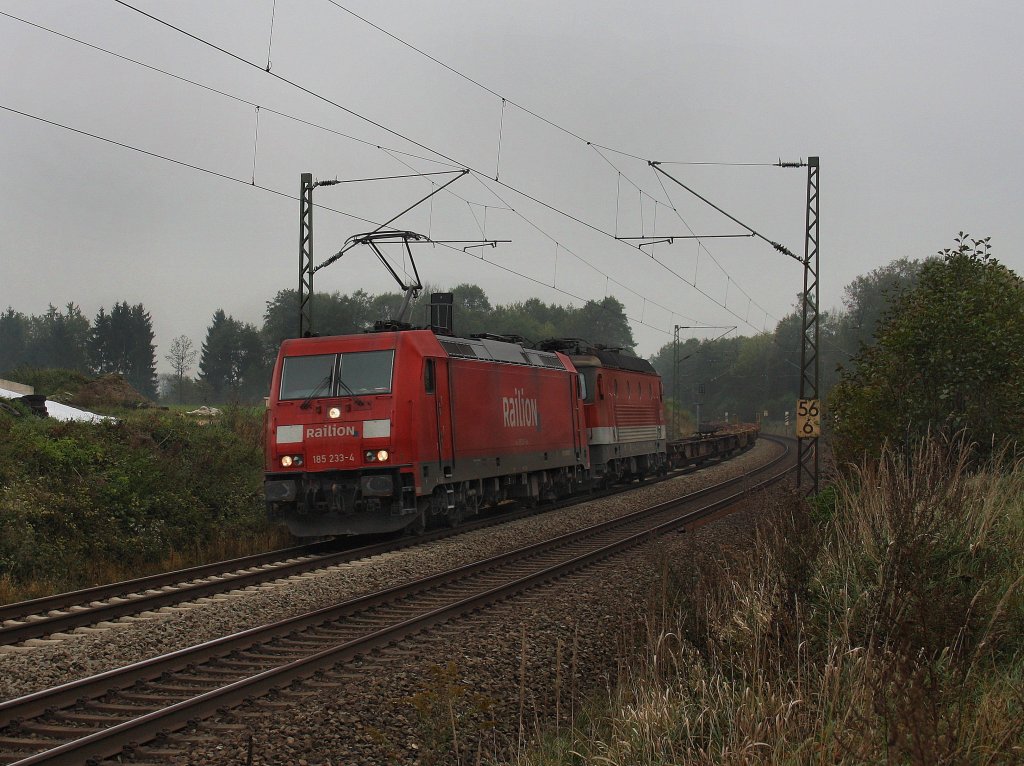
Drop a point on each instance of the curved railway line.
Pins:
(98, 716)
(52, 615)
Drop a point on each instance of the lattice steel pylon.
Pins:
(807, 439)
(675, 382)
(306, 255)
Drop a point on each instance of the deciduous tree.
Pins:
(947, 357)
(181, 357)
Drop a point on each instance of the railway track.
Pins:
(98, 716)
(60, 613)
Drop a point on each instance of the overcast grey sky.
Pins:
(914, 108)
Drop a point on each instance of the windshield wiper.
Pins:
(318, 390)
(350, 392)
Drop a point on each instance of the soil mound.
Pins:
(108, 390)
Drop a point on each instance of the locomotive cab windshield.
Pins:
(351, 373)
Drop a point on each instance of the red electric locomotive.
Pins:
(387, 430)
(624, 410)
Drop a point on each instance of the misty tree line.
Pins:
(744, 376)
(120, 341)
(235, 359)
(747, 376)
(739, 376)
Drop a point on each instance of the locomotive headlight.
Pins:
(286, 461)
(382, 455)
(334, 412)
(376, 456)
(369, 456)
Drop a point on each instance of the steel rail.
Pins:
(62, 612)
(151, 724)
(21, 609)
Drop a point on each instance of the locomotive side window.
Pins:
(581, 384)
(307, 376)
(428, 375)
(365, 372)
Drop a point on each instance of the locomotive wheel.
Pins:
(418, 525)
(454, 516)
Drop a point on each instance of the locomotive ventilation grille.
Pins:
(496, 351)
(458, 349)
(639, 433)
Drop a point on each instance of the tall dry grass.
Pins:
(881, 627)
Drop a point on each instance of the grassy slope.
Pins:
(884, 626)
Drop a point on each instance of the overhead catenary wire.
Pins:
(430, 150)
(597, 147)
(583, 261)
(781, 248)
(505, 206)
(224, 94)
(391, 131)
(329, 101)
(270, 41)
(456, 72)
(413, 141)
(481, 179)
(287, 81)
(701, 246)
(660, 263)
(506, 100)
(255, 145)
(294, 198)
(671, 206)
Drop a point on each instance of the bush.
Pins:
(79, 497)
(48, 381)
(947, 360)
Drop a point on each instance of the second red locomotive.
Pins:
(389, 430)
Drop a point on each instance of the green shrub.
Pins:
(77, 497)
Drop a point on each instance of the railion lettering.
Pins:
(519, 411)
(330, 431)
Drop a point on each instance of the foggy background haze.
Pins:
(912, 108)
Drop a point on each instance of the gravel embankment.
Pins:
(466, 693)
(88, 651)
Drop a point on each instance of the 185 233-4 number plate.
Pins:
(333, 458)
